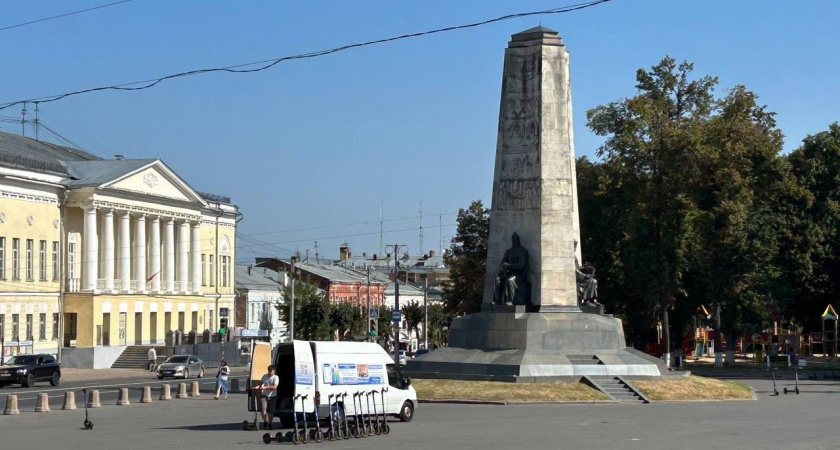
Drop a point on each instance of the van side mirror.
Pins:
(406, 381)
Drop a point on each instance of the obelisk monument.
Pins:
(534, 185)
(530, 327)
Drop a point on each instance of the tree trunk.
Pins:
(718, 347)
(730, 347)
(666, 336)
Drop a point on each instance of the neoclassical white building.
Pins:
(140, 252)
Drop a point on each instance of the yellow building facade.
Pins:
(131, 252)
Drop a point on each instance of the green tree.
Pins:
(439, 318)
(466, 260)
(655, 136)
(346, 318)
(384, 321)
(312, 311)
(414, 315)
(813, 255)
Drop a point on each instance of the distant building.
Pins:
(258, 295)
(412, 269)
(339, 284)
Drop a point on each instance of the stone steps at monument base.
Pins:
(618, 389)
(584, 360)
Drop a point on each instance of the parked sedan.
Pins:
(181, 366)
(27, 369)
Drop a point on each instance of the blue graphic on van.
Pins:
(354, 374)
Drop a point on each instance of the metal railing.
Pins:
(74, 284)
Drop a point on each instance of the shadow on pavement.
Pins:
(208, 427)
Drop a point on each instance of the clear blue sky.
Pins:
(323, 141)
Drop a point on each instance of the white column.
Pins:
(154, 253)
(195, 255)
(90, 252)
(140, 252)
(125, 251)
(183, 255)
(169, 253)
(108, 249)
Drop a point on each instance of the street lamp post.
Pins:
(396, 249)
(426, 313)
(292, 305)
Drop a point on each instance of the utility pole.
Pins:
(37, 122)
(421, 228)
(317, 259)
(23, 120)
(368, 300)
(426, 313)
(380, 226)
(440, 233)
(396, 248)
(292, 306)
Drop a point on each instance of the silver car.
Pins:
(181, 366)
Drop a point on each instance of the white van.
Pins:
(324, 368)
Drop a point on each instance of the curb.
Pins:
(517, 403)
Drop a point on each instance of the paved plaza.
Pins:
(806, 421)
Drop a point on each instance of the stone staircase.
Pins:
(619, 389)
(584, 360)
(133, 357)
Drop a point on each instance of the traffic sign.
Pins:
(374, 313)
(396, 316)
(224, 312)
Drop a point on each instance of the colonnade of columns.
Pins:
(104, 252)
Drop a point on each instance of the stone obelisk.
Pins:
(534, 185)
(530, 327)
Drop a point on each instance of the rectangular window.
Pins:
(30, 264)
(42, 260)
(203, 277)
(71, 261)
(16, 259)
(42, 327)
(212, 272)
(16, 327)
(55, 260)
(224, 264)
(55, 326)
(29, 330)
(2, 258)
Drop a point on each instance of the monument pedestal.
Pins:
(505, 343)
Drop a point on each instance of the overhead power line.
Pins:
(321, 227)
(62, 15)
(326, 238)
(269, 63)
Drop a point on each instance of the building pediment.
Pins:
(144, 177)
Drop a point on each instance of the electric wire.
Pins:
(31, 22)
(269, 63)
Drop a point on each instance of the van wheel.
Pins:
(407, 412)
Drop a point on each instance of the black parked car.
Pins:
(27, 369)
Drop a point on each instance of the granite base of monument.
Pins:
(505, 343)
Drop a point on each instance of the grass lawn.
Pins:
(693, 388)
(558, 391)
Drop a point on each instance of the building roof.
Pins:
(96, 173)
(538, 29)
(257, 278)
(80, 168)
(27, 153)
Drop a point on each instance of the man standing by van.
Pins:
(268, 399)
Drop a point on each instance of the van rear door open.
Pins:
(260, 360)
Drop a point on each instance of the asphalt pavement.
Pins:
(806, 421)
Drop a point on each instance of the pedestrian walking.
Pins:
(222, 379)
(268, 399)
(152, 359)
